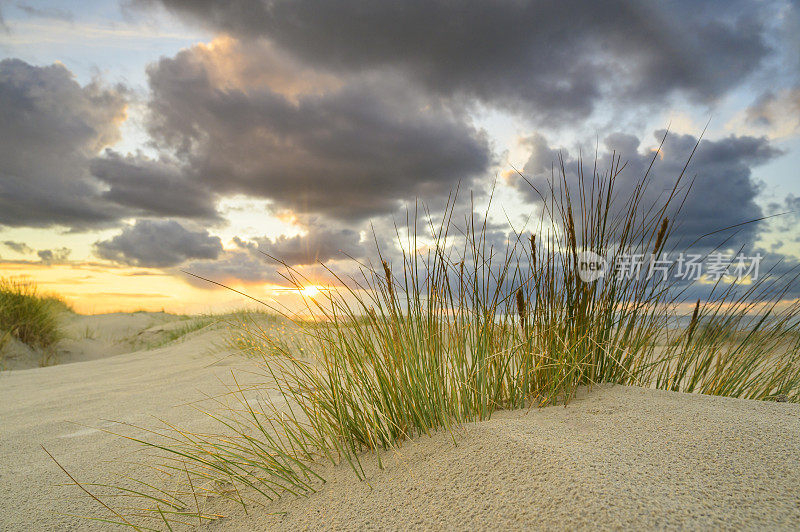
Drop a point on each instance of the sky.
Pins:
(143, 139)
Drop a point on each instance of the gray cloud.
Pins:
(237, 265)
(49, 127)
(723, 192)
(550, 58)
(264, 259)
(249, 266)
(19, 247)
(793, 204)
(152, 187)
(318, 245)
(789, 216)
(54, 256)
(158, 244)
(51, 131)
(353, 151)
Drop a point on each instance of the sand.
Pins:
(63, 407)
(93, 337)
(615, 458)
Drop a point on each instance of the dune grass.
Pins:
(28, 315)
(455, 332)
(186, 327)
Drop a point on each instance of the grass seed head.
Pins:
(661, 233)
(521, 305)
(388, 272)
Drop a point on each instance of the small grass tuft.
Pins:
(186, 327)
(29, 316)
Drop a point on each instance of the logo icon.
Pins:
(591, 266)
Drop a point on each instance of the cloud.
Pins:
(54, 256)
(51, 132)
(250, 267)
(158, 244)
(353, 151)
(317, 246)
(234, 266)
(47, 12)
(264, 259)
(18, 247)
(776, 114)
(551, 58)
(154, 187)
(49, 127)
(723, 194)
(788, 216)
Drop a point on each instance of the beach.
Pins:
(615, 457)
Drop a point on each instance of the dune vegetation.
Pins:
(460, 329)
(29, 316)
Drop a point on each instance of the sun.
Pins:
(310, 291)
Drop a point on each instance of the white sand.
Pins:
(51, 406)
(92, 337)
(616, 458)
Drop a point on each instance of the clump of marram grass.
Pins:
(29, 316)
(465, 329)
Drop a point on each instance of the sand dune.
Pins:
(89, 337)
(63, 406)
(615, 458)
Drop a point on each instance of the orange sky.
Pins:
(93, 288)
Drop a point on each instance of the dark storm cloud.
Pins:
(549, 58)
(723, 193)
(350, 152)
(49, 127)
(158, 244)
(152, 187)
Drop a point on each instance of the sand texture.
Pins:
(66, 408)
(615, 458)
(92, 337)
